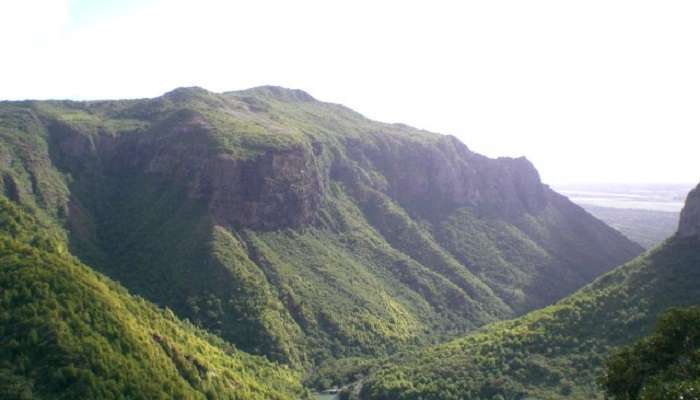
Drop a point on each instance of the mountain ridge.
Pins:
(295, 228)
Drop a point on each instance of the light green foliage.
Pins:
(27, 173)
(67, 332)
(337, 287)
(500, 253)
(253, 303)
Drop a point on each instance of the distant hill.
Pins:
(555, 352)
(67, 332)
(298, 229)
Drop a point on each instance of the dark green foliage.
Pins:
(336, 373)
(69, 333)
(664, 365)
(557, 352)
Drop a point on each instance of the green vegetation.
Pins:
(297, 229)
(664, 365)
(556, 352)
(67, 332)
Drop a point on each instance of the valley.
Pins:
(365, 200)
(558, 351)
(324, 248)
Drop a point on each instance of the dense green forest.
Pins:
(298, 229)
(559, 351)
(664, 365)
(67, 332)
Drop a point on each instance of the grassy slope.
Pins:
(67, 332)
(555, 352)
(372, 273)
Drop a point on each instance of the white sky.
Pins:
(590, 91)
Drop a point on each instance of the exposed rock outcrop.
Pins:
(273, 189)
(689, 225)
(276, 189)
(434, 178)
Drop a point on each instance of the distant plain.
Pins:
(645, 213)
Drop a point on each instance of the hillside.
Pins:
(68, 333)
(555, 352)
(660, 366)
(295, 228)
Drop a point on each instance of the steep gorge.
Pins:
(555, 352)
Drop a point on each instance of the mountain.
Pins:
(67, 332)
(555, 352)
(295, 228)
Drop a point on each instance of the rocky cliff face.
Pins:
(432, 179)
(278, 188)
(275, 188)
(689, 225)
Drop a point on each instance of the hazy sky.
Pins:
(587, 90)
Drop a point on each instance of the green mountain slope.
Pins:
(555, 352)
(69, 333)
(295, 228)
